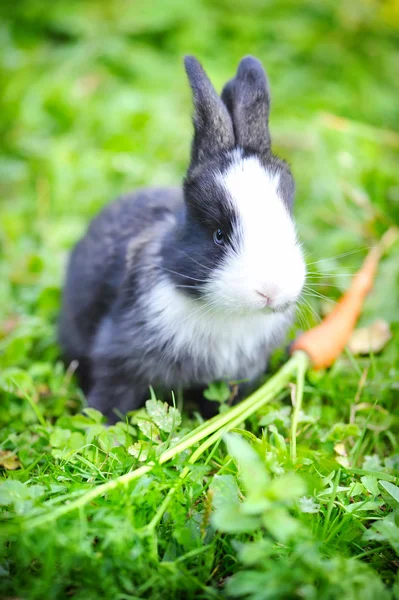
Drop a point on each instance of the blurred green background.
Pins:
(94, 102)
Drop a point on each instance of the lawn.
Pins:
(94, 103)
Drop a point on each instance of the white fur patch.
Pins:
(229, 342)
(268, 258)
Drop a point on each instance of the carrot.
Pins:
(325, 342)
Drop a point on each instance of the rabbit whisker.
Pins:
(316, 262)
(196, 261)
(181, 274)
(310, 307)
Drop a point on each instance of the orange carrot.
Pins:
(325, 342)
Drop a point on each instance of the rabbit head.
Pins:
(236, 245)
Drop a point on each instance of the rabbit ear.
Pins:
(247, 99)
(227, 96)
(212, 122)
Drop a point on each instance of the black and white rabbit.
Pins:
(181, 287)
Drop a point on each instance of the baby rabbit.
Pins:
(182, 287)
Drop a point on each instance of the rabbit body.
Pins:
(167, 288)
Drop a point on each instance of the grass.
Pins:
(290, 504)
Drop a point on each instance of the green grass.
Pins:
(94, 103)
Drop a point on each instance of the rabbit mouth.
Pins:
(282, 308)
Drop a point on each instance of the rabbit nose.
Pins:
(268, 293)
(266, 298)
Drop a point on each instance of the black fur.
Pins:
(247, 99)
(163, 234)
(213, 129)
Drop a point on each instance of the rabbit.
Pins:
(176, 288)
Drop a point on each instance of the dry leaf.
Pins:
(343, 461)
(8, 326)
(370, 339)
(340, 449)
(9, 461)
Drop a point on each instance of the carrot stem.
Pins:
(303, 361)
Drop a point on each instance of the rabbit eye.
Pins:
(218, 237)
